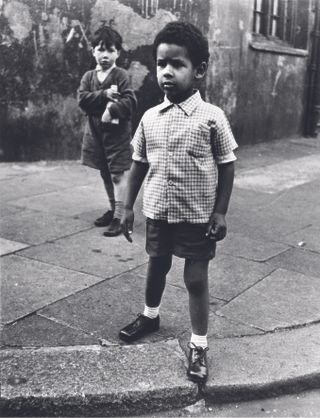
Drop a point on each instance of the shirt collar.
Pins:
(99, 68)
(187, 106)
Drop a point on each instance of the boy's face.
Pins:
(105, 56)
(176, 73)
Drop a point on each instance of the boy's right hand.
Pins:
(112, 95)
(127, 223)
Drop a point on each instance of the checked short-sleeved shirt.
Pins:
(182, 143)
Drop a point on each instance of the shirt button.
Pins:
(170, 182)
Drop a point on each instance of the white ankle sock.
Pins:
(151, 312)
(199, 340)
(118, 210)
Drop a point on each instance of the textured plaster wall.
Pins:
(263, 93)
(44, 51)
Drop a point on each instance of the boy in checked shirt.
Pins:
(183, 148)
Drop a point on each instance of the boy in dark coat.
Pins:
(106, 97)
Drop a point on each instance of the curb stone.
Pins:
(137, 379)
(265, 365)
(94, 381)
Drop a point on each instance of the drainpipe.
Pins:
(313, 105)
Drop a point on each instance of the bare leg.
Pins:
(108, 185)
(119, 185)
(156, 279)
(196, 281)
(119, 182)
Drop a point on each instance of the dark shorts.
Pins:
(183, 240)
(107, 149)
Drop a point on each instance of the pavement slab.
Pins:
(100, 309)
(29, 285)
(7, 209)
(71, 201)
(23, 187)
(308, 238)
(296, 204)
(273, 219)
(76, 289)
(298, 259)
(68, 174)
(280, 176)
(265, 365)
(37, 331)
(60, 173)
(110, 305)
(92, 253)
(95, 381)
(251, 249)
(8, 246)
(282, 299)
(228, 275)
(265, 224)
(221, 327)
(273, 152)
(35, 227)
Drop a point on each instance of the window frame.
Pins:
(274, 27)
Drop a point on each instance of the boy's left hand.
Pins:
(217, 227)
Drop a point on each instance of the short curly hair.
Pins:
(108, 37)
(187, 35)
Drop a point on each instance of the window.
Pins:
(282, 20)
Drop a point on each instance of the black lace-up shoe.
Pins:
(139, 328)
(114, 229)
(197, 369)
(105, 219)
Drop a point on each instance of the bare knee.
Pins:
(196, 276)
(196, 287)
(116, 178)
(159, 265)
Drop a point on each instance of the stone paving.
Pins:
(66, 289)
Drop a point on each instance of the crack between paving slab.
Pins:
(297, 230)
(55, 190)
(62, 267)
(49, 241)
(220, 299)
(103, 279)
(239, 322)
(259, 261)
(255, 326)
(65, 324)
(308, 250)
(292, 247)
(265, 332)
(176, 286)
(250, 287)
(82, 272)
